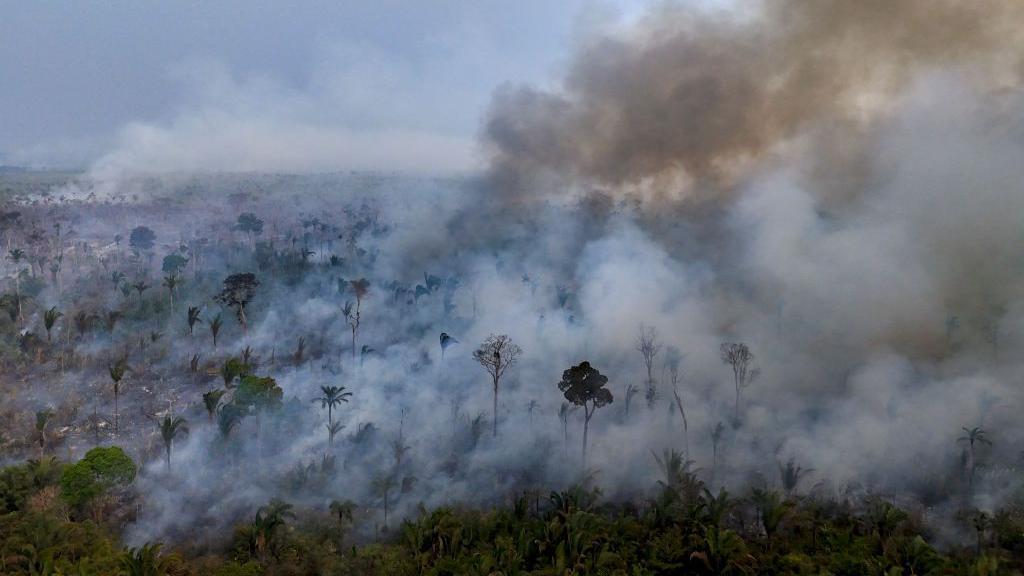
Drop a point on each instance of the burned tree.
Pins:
(496, 354)
(238, 291)
(739, 357)
(647, 345)
(584, 385)
(360, 288)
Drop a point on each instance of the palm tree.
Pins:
(264, 526)
(342, 511)
(332, 396)
(16, 256)
(117, 278)
(193, 318)
(771, 509)
(631, 391)
(215, 325)
(228, 417)
(211, 400)
(171, 283)
(531, 407)
(49, 319)
(42, 419)
(716, 438)
(564, 411)
(972, 436)
(140, 287)
(117, 371)
(382, 487)
(791, 475)
(171, 428)
(147, 561)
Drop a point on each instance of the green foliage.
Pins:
(258, 393)
(101, 469)
(173, 263)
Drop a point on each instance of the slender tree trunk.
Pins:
(494, 425)
(586, 430)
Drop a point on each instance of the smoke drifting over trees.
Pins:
(800, 195)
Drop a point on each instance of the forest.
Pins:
(731, 287)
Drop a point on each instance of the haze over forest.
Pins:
(677, 288)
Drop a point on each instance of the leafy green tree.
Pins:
(101, 470)
(332, 397)
(171, 429)
(233, 369)
(772, 509)
(229, 417)
(50, 318)
(142, 239)
(496, 355)
(265, 525)
(584, 385)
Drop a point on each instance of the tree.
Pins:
(147, 560)
(791, 475)
(117, 278)
(211, 401)
(228, 417)
(361, 288)
(771, 509)
(215, 325)
(332, 396)
(49, 319)
(42, 419)
(672, 363)
(173, 264)
(631, 391)
(233, 369)
(117, 372)
(446, 341)
(584, 385)
(101, 469)
(16, 256)
(142, 239)
(193, 318)
(739, 357)
(171, 282)
(238, 291)
(496, 355)
(972, 436)
(716, 439)
(382, 486)
(249, 224)
(170, 429)
(564, 411)
(647, 345)
(266, 523)
(342, 512)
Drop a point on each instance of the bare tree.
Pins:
(647, 345)
(496, 354)
(672, 363)
(738, 356)
(361, 288)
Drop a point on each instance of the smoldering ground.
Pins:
(837, 185)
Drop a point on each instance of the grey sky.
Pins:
(80, 81)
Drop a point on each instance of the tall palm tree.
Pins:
(117, 372)
(117, 278)
(49, 319)
(382, 487)
(170, 429)
(16, 256)
(266, 523)
(211, 400)
(171, 282)
(331, 397)
(972, 436)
